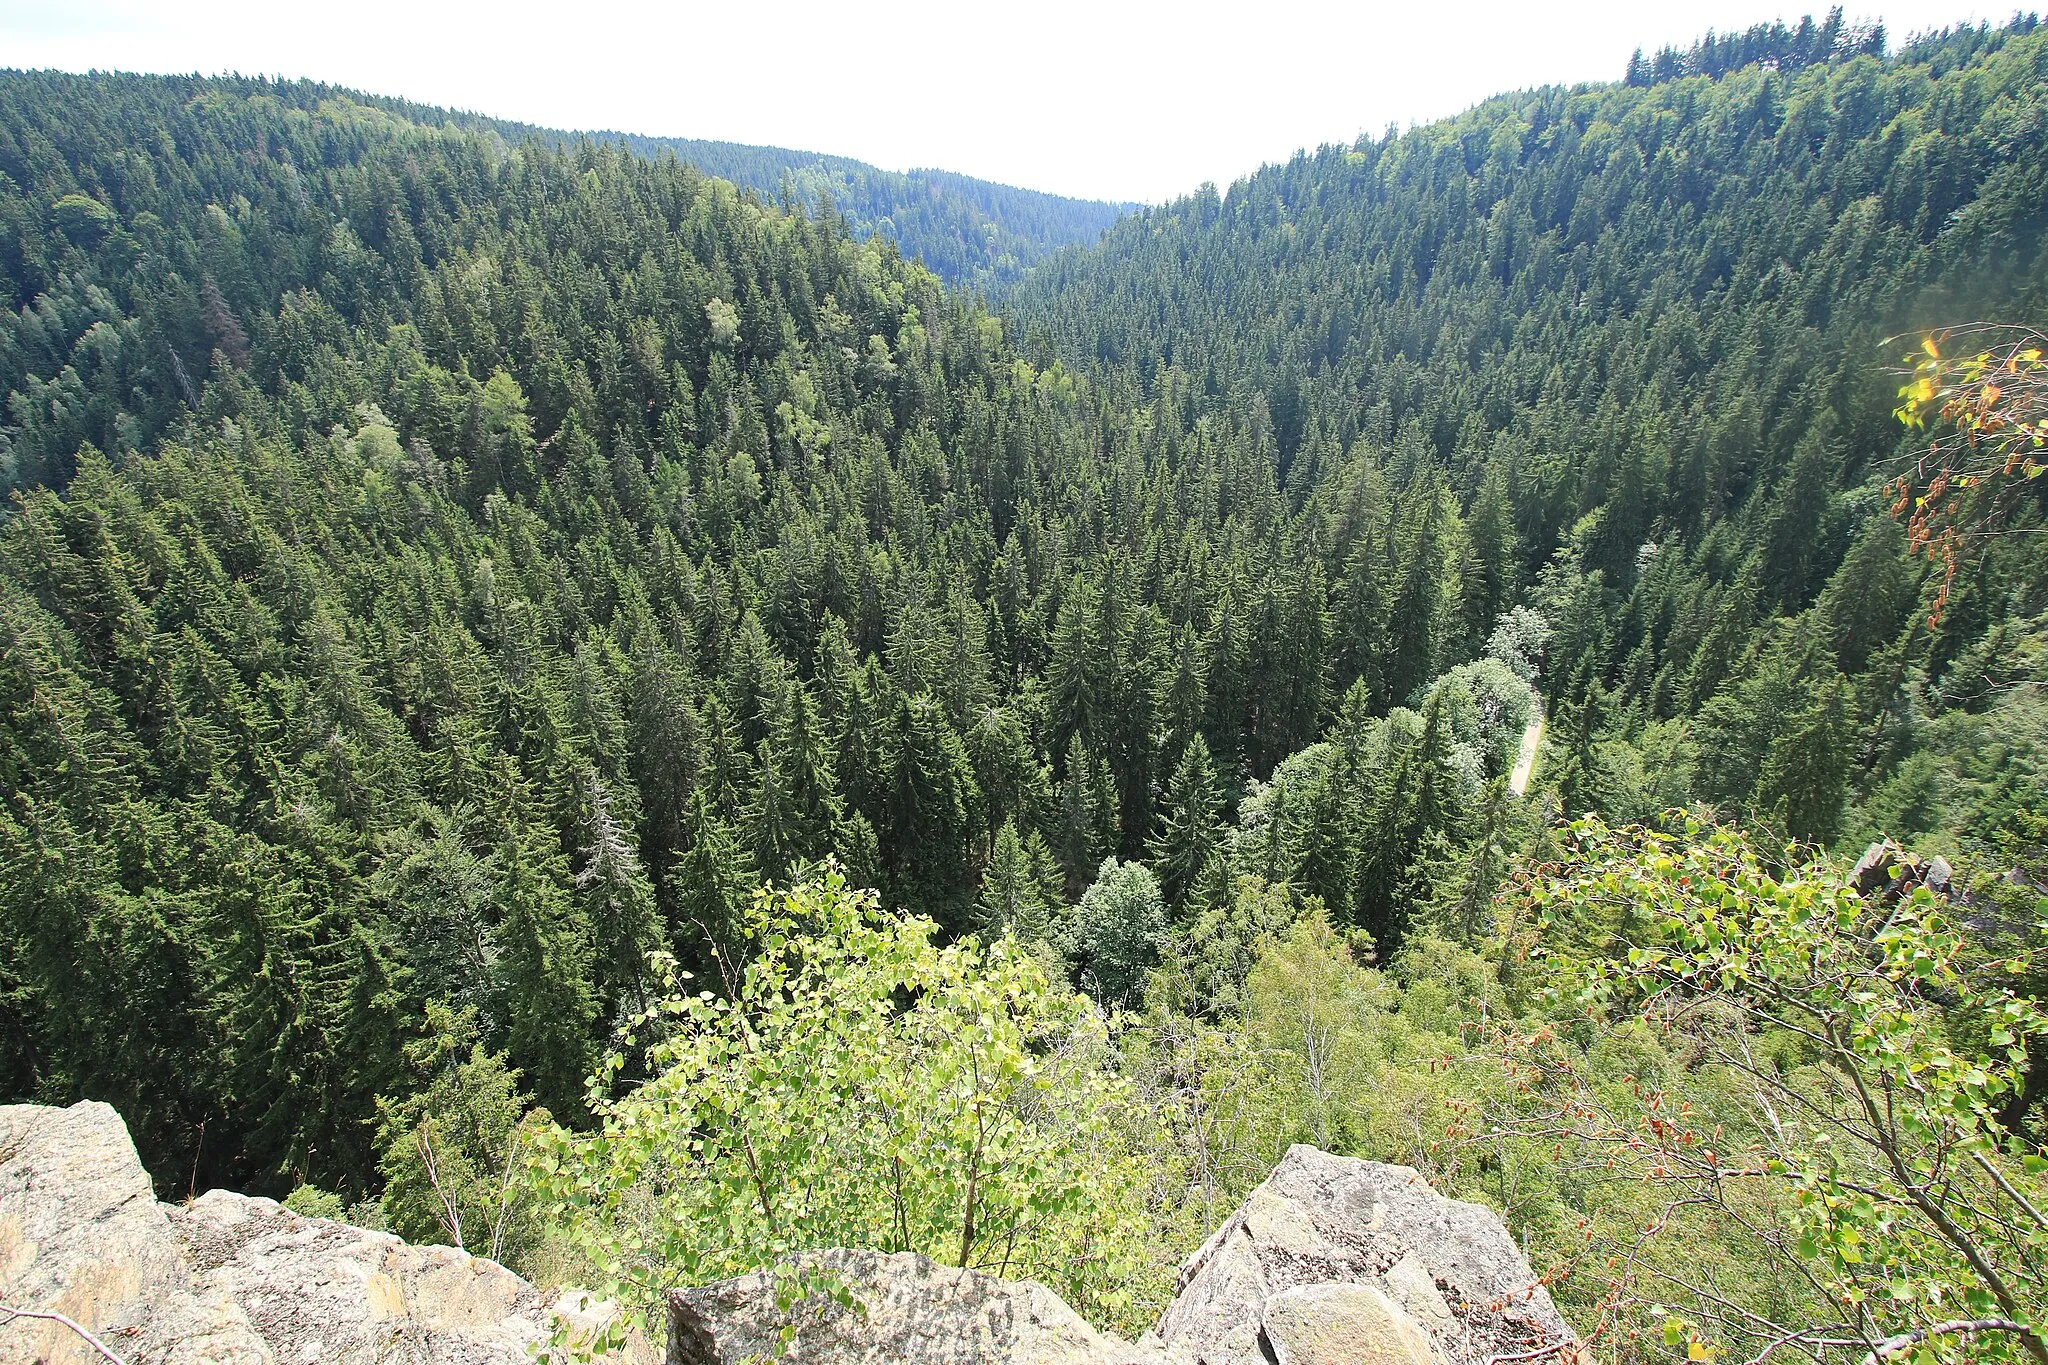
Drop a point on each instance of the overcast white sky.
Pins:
(1113, 99)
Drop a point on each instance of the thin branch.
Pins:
(505, 1193)
(51, 1315)
(1955, 1235)
(1536, 1354)
(2011, 1190)
(1891, 1346)
(451, 1212)
(1805, 1340)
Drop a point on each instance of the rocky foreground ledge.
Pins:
(1330, 1262)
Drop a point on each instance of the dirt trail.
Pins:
(1525, 763)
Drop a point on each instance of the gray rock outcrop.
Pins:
(81, 1234)
(909, 1309)
(234, 1280)
(1322, 1224)
(1330, 1262)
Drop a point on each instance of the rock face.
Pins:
(1329, 1240)
(911, 1309)
(323, 1292)
(81, 1234)
(1330, 1262)
(231, 1279)
(1339, 1324)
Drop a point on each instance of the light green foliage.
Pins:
(862, 1086)
(1210, 958)
(82, 219)
(1487, 705)
(724, 320)
(1311, 1008)
(1519, 639)
(1670, 1131)
(1799, 1077)
(376, 443)
(1360, 1060)
(310, 1201)
(1114, 935)
(450, 1150)
(1312, 1046)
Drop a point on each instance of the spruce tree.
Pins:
(1436, 805)
(1867, 601)
(769, 820)
(1020, 888)
(1328, 842)
(928, 841)
(1190, 826)
(545, 951)
(1796, 513)
(1495, 560)
(1805, 773)
(617, 901)
(1087, 817)
(715, 881)
(1414, 623)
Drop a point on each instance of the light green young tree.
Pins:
(1116, 931)
(861, 1087)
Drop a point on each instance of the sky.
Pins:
(1107, 99)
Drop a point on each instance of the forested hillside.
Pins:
(448, 576)
(972, 233)
(1639, 333)
(569, 512)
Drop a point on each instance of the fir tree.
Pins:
(1806, 770)
(618, 902)
(931, 809)
(1087, 817)
(715, 881)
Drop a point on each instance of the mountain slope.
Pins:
(970, 232)
(1640, 329)
(450, 574)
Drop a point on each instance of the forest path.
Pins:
(1525, 762)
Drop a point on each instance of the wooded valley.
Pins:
(452, 568)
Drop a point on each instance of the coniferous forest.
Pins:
(452, 569)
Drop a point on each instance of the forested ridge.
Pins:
(447, 575)
(972, 233)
